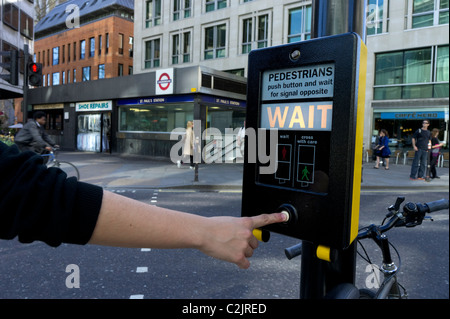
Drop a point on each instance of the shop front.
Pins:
(94, 126)
(402, 123)
(136, 114)
(145, 124)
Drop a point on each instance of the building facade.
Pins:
(408, 69)
(218, 34)
(16, 31)
(131, 115)
(407, 78)
(411, 35)
(81, 40)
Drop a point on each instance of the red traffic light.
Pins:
(35, 74)
(33, 67)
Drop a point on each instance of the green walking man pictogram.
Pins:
(305, 173)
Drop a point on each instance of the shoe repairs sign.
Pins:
(93, 106)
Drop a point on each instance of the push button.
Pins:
(290, 212)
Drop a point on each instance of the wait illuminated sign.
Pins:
(310, 116)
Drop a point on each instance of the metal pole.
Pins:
(331, 17)
(25, 83)
(318, 277)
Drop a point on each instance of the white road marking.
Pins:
(141, 269)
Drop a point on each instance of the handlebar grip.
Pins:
(293, 251)
(437, 205)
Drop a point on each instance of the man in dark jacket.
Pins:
(420, 144)
(32, 136)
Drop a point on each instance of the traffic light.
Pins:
(11, 64)
(35, 74)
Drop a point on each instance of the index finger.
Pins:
(267, 219)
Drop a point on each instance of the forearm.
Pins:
(125, 222)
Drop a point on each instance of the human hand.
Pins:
(231, 239)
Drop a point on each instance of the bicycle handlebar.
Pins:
(437, 205)
(412, 215)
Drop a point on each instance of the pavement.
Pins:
(130, 171)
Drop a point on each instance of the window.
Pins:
(412, 74)
(101, 71)
(120, 43)
(107, 43)
(68, 52)
(426, 13)
(262, 33)
(299, 27)
(131, 43)
(74, 51)
(100, 44)
(55, 78)
(377, 16)
(63, 76)
(181, 48)
(215, 42)
(154, 118)
(11, 15)
(442, 68)
(247, 36)
(212, 5)
(120, 70)
(152, 13)
(55, 56)
(152, 53)
(74, 75)
(86, 73)
(26, 25)
(82, 49)
(182, 9)
(91, 47)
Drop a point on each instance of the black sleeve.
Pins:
(40, 203)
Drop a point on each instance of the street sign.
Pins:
(312, 94)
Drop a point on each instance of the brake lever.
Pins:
(393, 209)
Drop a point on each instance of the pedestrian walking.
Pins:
(188, 145)
(382, 150)
(241, 139)
(435, 151)
(420, 141)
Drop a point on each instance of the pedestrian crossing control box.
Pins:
(311, 95)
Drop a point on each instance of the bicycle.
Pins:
(413, 214)
(51, 160)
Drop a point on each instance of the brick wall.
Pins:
(112, 26)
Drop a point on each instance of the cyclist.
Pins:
(32, 136)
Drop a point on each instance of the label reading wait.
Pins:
(308, 116)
